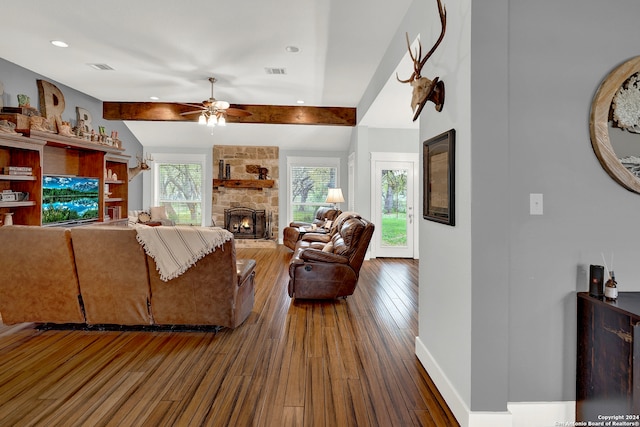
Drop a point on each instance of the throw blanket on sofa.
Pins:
(177, 248)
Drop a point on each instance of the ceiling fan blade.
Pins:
(236, 112)
(191, 112)
(192, 105)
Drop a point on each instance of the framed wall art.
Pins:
(439, 178)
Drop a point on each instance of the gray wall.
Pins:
(557, 59)
(18, 80)
(534, 72)
(497, 292)
(394, 140)
(490, 179)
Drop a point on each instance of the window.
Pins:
(309, 181)
(178, 185)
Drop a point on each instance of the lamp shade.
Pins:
(335, 196)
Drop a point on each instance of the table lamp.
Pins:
(335, 196)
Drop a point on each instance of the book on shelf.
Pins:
(18, 170)
(114, 212)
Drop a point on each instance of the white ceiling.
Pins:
(168, 49)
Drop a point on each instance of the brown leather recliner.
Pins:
(331, 270)
(291, 234)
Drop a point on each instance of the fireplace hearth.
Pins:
(247, 223)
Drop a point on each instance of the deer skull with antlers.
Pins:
(143, 165)
(425, 89)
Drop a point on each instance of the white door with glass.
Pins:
(393, 181)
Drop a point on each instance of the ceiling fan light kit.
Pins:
(212, 120)
(213, 112)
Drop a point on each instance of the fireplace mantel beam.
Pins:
(243, 183)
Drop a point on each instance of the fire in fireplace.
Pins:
(247, 223)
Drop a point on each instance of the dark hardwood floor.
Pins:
(292, 363)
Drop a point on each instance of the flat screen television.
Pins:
(69, 199)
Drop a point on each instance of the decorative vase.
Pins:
(221, 169)
(8, 219)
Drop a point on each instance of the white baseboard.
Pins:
(518, 414)
(543, 414)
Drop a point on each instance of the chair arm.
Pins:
(317, 237)
(299, 224)
(297, 261)
(244, 268)
(316, 255)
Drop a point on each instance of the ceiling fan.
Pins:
(213, 112)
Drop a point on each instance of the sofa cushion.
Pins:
(158, 213)
(112, 268)
(39, 281)
(345, 240)
(205, 294)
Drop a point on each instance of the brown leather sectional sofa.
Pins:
(100, 275)
(291, 234)
(326, 266)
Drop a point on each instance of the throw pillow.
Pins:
(158, 213)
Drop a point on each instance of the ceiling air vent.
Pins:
(273, 70)
(101, 67)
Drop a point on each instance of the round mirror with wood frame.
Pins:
(599, 124)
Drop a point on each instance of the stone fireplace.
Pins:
(247, 223)
(245, 190)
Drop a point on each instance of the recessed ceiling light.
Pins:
(292, 49)
(59, 43)
(153, 98)
(300, 101)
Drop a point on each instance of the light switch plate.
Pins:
(535, 204)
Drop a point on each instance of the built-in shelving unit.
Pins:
(243, 183)
(50, 153)
(19, 151)
(115, 202)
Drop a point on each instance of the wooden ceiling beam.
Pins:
(267, 114)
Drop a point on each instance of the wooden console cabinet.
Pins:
(47, 153)
(608, 358)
